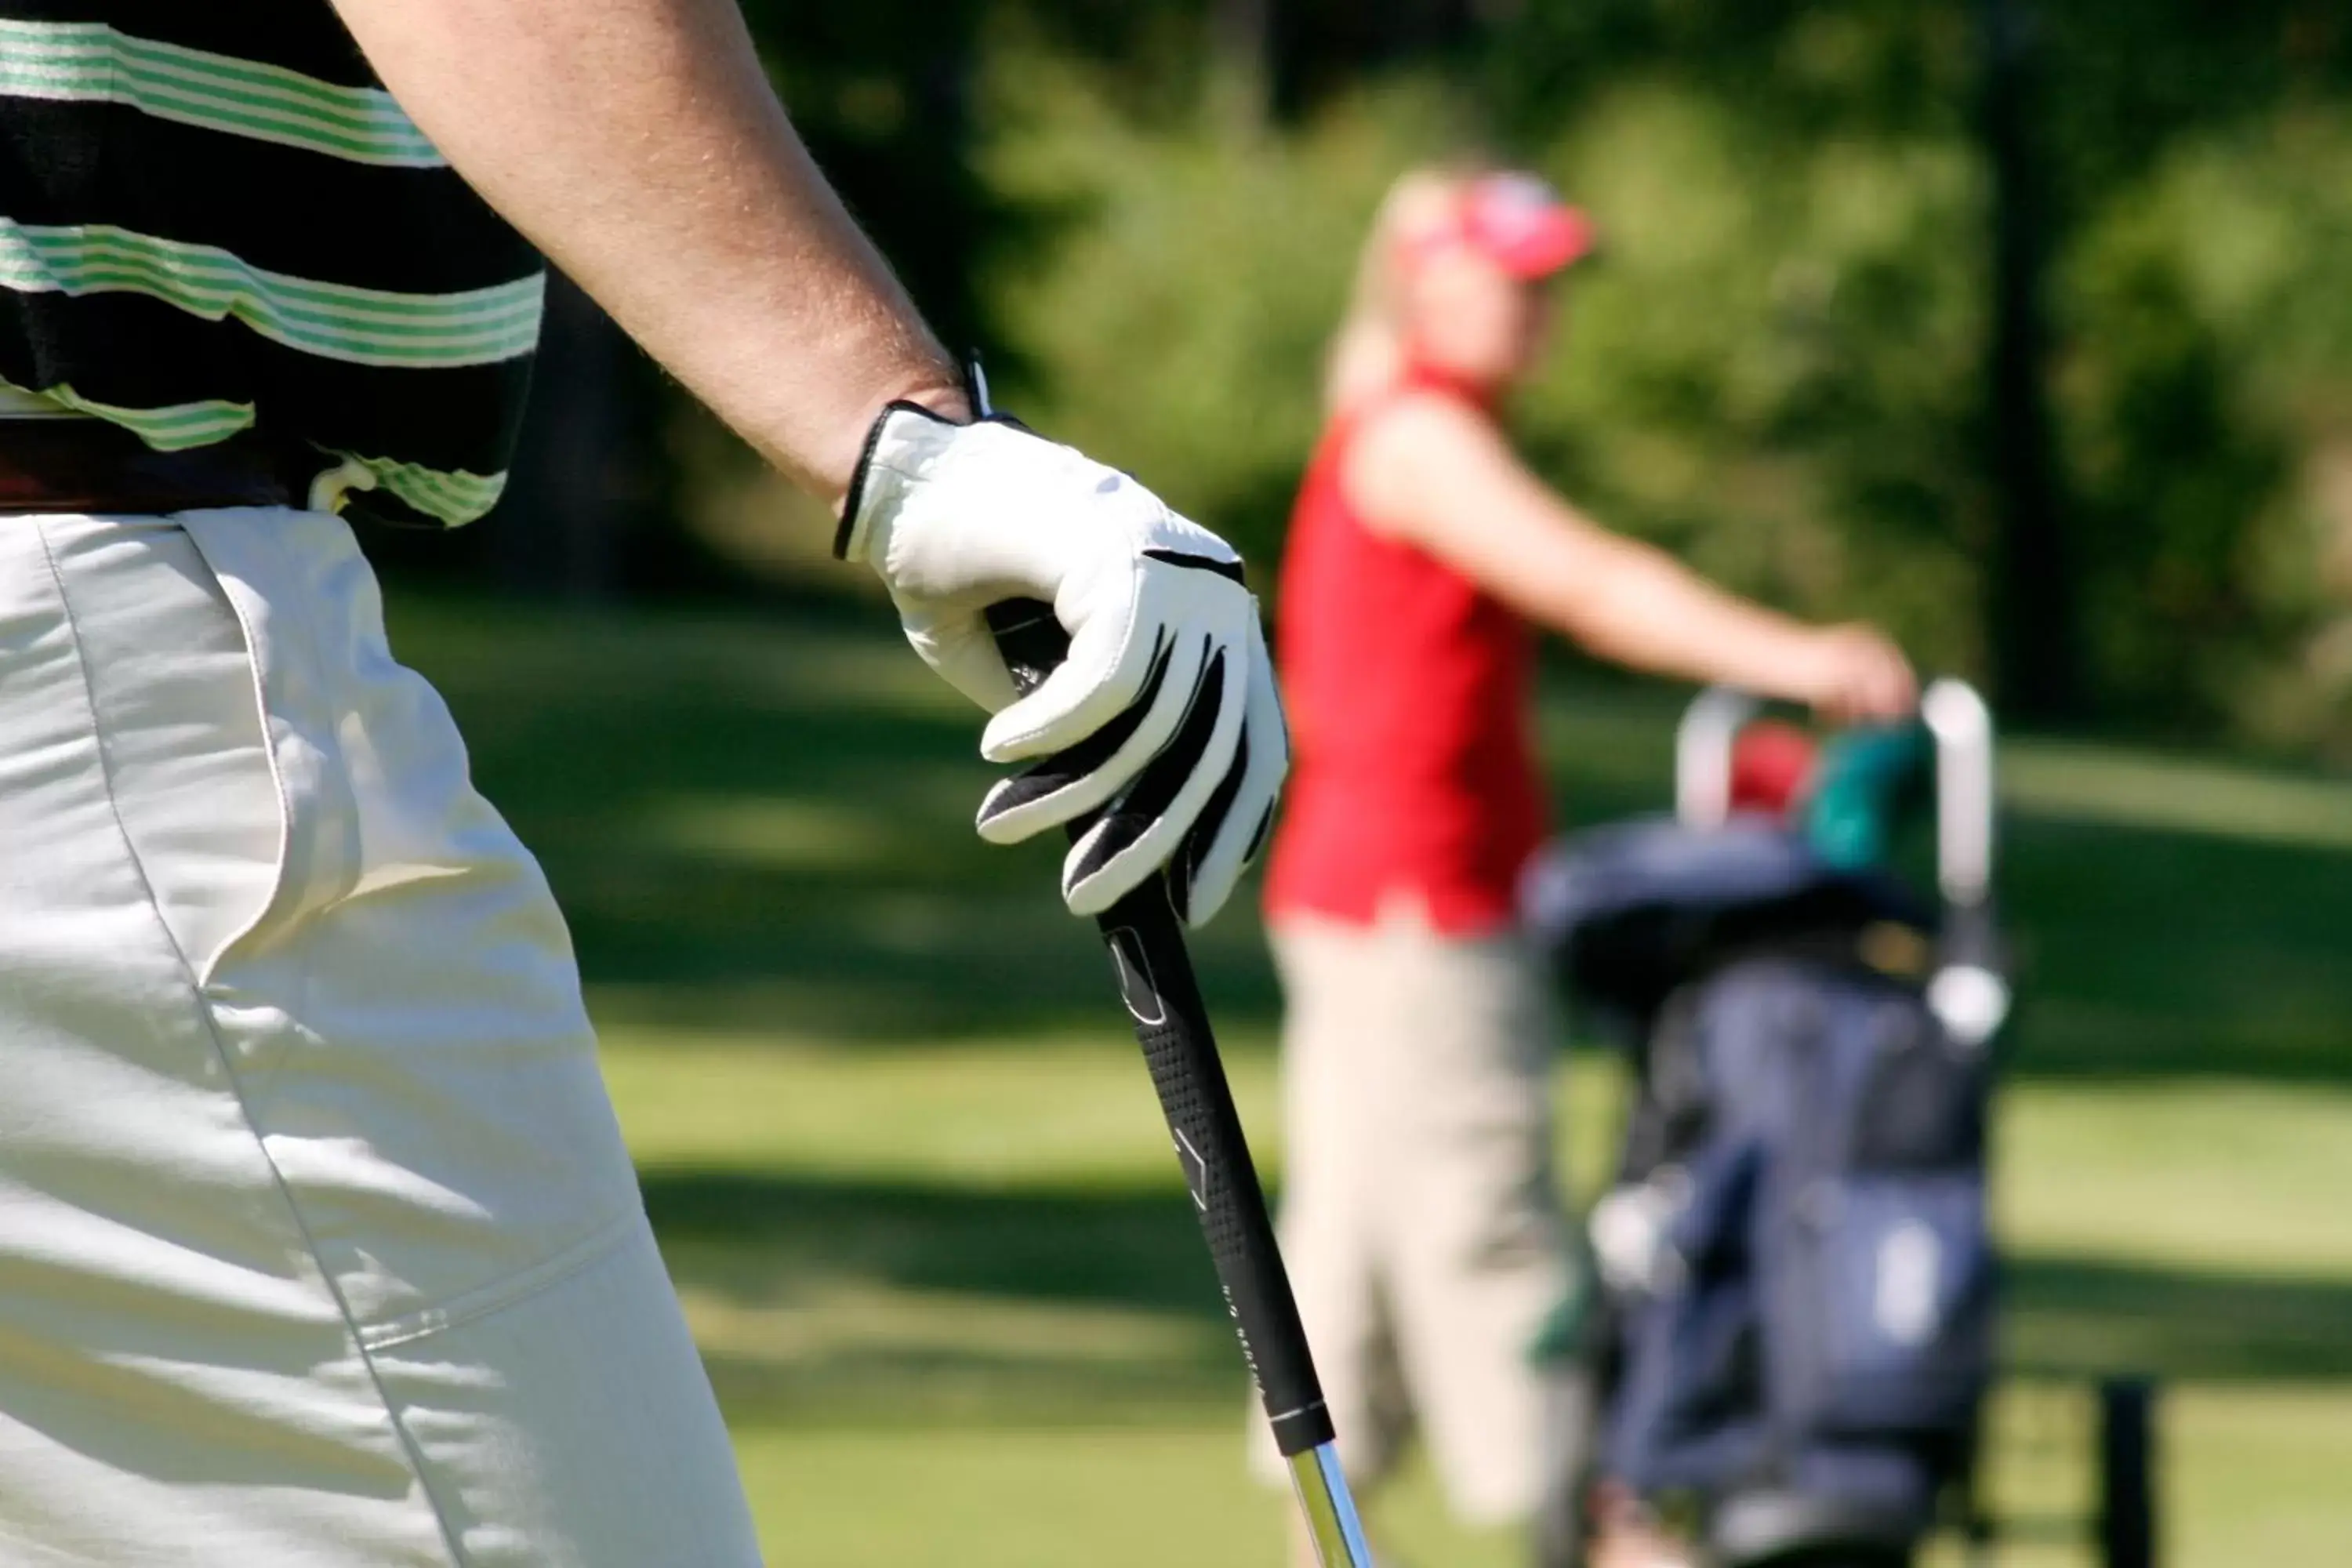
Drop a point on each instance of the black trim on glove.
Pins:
(1229, 569)
(975, 388)
(1065, 768)
(856, 497)
(1203, 835)
(1156, 788)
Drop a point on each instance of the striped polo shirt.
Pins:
(214, 218)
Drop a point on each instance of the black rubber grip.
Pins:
(1171, 1022)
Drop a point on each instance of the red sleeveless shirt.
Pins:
(1408, 691)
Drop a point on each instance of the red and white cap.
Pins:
(1514, 220)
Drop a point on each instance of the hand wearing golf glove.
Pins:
(1162, 717)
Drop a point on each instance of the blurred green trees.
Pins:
(1149, 210)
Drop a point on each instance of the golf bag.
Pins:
(1797, 1285)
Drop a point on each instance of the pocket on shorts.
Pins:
(417, 1055)
(178, 710)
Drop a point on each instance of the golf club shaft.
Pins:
(1171, 1022)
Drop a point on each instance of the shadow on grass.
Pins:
(883, 1303)
(2152, 953)
(770, 827)
(2075, 1316)
(1129, 1248)
(758, 1237)
(767, 826)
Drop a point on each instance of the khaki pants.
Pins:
(1421, 1222)
(318, 1247)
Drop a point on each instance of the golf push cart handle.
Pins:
(1970, 990)
(1955, 716)
(1157, 983)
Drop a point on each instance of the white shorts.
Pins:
(1421, 1224)
(318, 1247)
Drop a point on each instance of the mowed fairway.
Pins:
(914, 1190)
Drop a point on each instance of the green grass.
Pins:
(914, 1190)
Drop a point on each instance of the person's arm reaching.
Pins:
(639, 144)
(1433, 471)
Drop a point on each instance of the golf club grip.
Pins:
(1171, 1022)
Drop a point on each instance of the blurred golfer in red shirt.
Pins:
(1421, 1223)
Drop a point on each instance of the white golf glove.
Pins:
(1162, 716)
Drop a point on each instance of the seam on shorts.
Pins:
(221, 1053)
(514, 1289)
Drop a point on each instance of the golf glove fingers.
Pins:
(1232, 827)
(1161, 720)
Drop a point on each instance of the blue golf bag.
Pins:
(1795, 1322)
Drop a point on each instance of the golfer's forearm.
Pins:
(638, 143)
(1455, 487)
(1638, 606)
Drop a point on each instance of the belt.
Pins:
(88, 464)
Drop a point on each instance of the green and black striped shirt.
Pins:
(213, 217)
